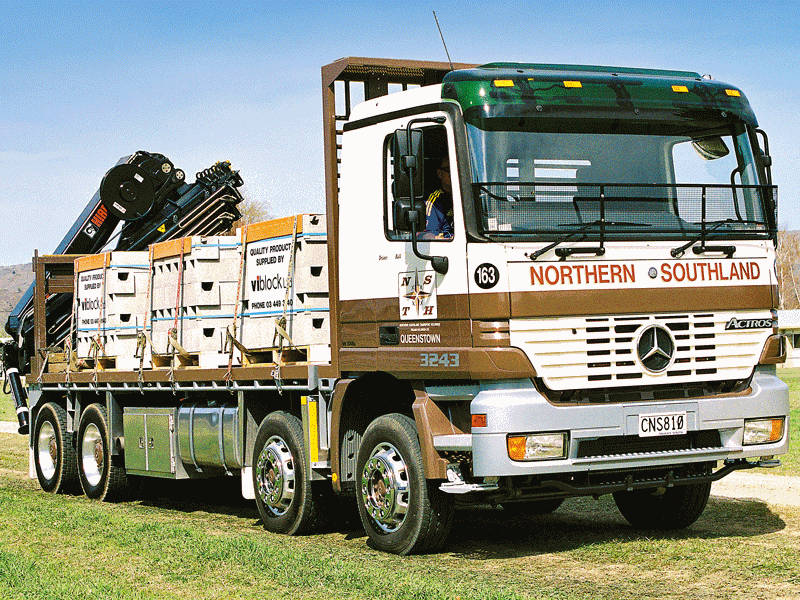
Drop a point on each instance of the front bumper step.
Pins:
(626, 482)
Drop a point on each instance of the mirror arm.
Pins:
(766, 158)
(733, 188)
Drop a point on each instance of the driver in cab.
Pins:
(439, 206)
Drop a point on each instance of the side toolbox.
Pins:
(150, 441)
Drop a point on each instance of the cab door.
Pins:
(396, 312)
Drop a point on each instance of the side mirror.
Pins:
(711, 148)
(409, 173)
(407, 214)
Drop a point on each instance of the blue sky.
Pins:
(85, 83)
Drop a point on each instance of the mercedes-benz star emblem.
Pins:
(655, 348)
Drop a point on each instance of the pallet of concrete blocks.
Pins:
(198, 278)
(274, 261)
(111, 306)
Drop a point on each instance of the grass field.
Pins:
(193, 540)
(791, 460)
(200, 540)
(7, 412)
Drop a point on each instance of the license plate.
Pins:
(662, 424)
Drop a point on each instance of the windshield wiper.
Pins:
(702, 249)
(599, 251)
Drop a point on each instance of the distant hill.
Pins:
(14, 281)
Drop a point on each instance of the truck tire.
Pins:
(54, 451)
(102, 475)
(665, 508)
(402, 512)
(285, 497)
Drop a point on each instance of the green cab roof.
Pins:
(506, 89)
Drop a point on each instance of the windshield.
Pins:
(642, 179)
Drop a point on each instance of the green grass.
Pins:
(791, 460)
(196, 540)
(200, 541)
(7, 412)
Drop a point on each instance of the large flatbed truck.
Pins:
(598, 317)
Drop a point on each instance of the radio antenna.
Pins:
(443, 43)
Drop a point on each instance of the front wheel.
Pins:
(401, 511)
(54, 451)
(285, 496)
(664, 508)
(101, 475)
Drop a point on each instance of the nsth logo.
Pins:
(417, 294)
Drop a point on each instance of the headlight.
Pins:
(537, 446)
(762, 431)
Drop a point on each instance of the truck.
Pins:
(595, 315)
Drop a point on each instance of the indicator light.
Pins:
(734, 93)
(479, 420)
(573, 84)
(682, 89)
(503, 83)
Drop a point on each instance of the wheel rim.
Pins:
(47, 450)
(92, 454)
(275, 475)
(385, 489)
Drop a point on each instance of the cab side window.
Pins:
(437, 191)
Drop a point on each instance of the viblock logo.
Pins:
(259, 284)
(90, 304)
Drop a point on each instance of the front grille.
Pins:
(632, 444)
(574, 353)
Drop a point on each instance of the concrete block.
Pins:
(131, 363)
(127, 280)
(304, 329)
(215, 247)
(224, 269)
(219, 360)
(210, 292)
(167, 278)
(311, 279)
(123, 344)
(126, 304)
(204, 338)
(315, 226)
(311, 301)
(124, 321)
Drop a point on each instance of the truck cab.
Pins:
(600, 318)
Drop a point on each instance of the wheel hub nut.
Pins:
(98, 454)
